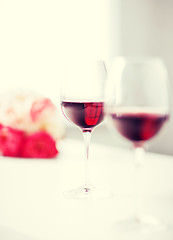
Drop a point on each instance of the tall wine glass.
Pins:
(82, 103)
(137, 104)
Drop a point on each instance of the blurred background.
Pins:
(37, 36)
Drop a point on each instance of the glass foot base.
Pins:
(140, 224)
(87, 192)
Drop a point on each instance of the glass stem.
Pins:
(139, 157)
(87, 136)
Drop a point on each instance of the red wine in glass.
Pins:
(85, 115)
(83, 106)
(138, 106)
(138, 127)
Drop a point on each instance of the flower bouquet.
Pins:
(30, 126)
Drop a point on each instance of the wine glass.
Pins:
(137, 106)
(82, 103)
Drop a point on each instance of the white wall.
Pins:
(37, 36)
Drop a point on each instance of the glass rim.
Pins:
(139, 59)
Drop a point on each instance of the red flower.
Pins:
(39, 145)
(40, 106)
(11, 141)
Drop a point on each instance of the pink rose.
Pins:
(11, 141)
(39, 107)
(39, 145)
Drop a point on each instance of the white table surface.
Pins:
(32, 206)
